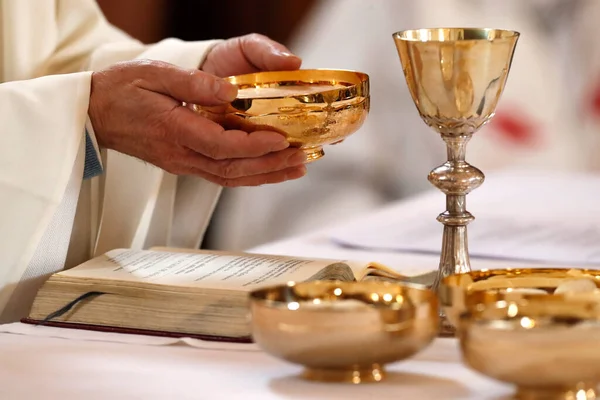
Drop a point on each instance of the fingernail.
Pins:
(287, 54)
(296, 159)
(225, 91)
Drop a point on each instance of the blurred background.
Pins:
(549, 116)
(153, 20)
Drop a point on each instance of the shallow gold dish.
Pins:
(344, 331)
(548, 346)
(312, 108)
(459, 292)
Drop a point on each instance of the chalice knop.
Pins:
(455, 77)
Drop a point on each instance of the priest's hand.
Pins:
(136, 108)
(247, 54)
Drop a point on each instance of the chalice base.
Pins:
(356, 376)
(587, 392)
(313, 153)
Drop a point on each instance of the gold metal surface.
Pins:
(344, 331)
(548, 346)
(455, 77)
(460, 292)
(311, 108)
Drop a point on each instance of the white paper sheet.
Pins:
(525, 216)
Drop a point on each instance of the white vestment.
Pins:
(557, 61)
(50, 218)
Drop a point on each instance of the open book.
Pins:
(174, 292)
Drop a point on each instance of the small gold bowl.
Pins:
(548, 346)
(311, 108)
(344, 331)
(460, 291)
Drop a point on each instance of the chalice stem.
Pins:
(455, 253)
(456, 178)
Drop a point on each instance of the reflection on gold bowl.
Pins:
(344, 331)
(312, 108)
(548, 346)
(459, 292)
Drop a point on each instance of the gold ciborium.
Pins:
(311, 108)
(455, 77)
(459, 293)
(344, 331)
(547, 346)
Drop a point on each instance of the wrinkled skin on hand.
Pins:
(136, 109)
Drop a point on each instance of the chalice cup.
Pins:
(456, 77)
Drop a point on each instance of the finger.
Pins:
(266, 54)
(211, 140)
(255, 180)
(185, 85)
(241, 167)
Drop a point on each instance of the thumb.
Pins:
(266, 54)
(186, 85)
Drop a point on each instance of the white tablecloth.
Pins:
(86, 367)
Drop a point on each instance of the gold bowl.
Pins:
(548, 346)
(344, 331)
(459, 292)
(311, 108)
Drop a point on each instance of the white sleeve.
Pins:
(87, 41)
(40, 139)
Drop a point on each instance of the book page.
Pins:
(215, 270)
(520, 216)
(378, 269)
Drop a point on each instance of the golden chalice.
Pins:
(455, 77)
(311, 108)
